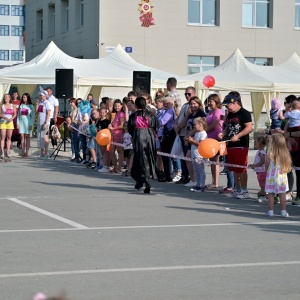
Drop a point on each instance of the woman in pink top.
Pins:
(7, 114)
(116, 128)
(214, 121)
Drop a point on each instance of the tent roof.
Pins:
(236, 73)
(284, 76)
(115, 69)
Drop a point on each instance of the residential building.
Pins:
(12, 32)
(186, 36)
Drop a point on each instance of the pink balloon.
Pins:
(209, 81)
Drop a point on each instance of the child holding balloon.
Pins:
(103, 123)
(198, 164)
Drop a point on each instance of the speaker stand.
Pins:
(64, 139)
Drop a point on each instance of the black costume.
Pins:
(142, 126)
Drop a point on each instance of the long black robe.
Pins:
(144, 146)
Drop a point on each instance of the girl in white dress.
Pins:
(278, 164)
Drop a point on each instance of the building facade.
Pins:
(12, 32)
(179, 36)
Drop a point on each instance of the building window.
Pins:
(203, 12)
(297, 14)
(51, 20)
(17, 55)
(17, 10)
(4, 10)
(39, 25)
(4, 54)
(17, 30)
(257, 13)
(65, 15)
(260, 61)
(4, 30)
(79, 12)
(198, 64)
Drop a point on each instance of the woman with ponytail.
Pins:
(142, 126)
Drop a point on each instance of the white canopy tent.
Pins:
(264, 82)
(114, 70)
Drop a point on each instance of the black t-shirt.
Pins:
(235, 124)
(190, 121)
(102, 124)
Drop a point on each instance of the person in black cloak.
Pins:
(142, 126)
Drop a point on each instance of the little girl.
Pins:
(259, 166)
(103, 123)
(128, 149)
(278, 164)
(198, 165)
(116, 128)
(276, 114)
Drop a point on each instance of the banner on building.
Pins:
(146, 11)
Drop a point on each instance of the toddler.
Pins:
(198, 165)
(259, 166)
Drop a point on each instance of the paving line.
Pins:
(151, 269)
(47, 213)
(152, 226)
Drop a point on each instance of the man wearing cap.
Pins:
(239, 125)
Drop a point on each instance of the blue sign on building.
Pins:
(128, 49)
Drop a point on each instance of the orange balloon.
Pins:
(208, 148)
(103, 137)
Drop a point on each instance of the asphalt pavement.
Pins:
(67, 228)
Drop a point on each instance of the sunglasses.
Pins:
(188, 94)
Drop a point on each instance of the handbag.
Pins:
(168, 135)
(177, 147)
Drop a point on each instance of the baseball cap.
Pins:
(229, 99)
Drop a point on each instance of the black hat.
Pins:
(230, 98)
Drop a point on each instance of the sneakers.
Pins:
(93, 165)
(284, 214)
(261, 199)
(190, 183)
(182, 180)
(176, 178)
(233, 194)
(269, 213)
(103, 170)
(197, 189)
(223, 172)
(242, 195)
(296, 201)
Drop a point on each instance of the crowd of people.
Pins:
(145, 131)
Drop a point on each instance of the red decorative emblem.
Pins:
(146, 10)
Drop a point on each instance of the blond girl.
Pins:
(278, 164)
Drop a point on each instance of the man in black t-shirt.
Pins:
(238, 127)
